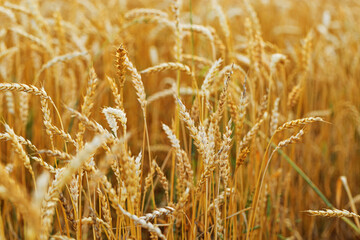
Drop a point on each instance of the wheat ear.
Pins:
(332, 213)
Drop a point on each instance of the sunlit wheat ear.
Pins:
(96, 222)
(142, 223)
(61, 178)
(141, 12)
(306, 52)
(112, 116)
(276, 59)
(115, 92)
(120, 63)
(178, 29)
(200, 29)
(210, 77)
(208, 171)
(293, 139)
(165, 211)
(224, 163)
(105, 207)
(181, 204)
(8, 13)
(167, 66)
(263, 105)
(12, 191)
(238, 112)
(129, 171)
(164, 182)
(32, 38)
(294, 96)
(332, 213)
(19, 87)
(215, 118)
(55, 153)
(88, 103)
(219, 222)
(20, 139)
(10, 103)
(219, 45)
(299, 123)
(197, 59)
(253, 131)
(180, 155)
(242, 156)
(220, 199)
(136, 79)
(20, 150)
(96, 127)
(194, 132)
(90, 124)
(222, 19)
(52, 129)
(24, 107)
(274, 117)
(59, 59)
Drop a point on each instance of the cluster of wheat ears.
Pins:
(179, 119)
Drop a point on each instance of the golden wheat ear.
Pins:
(332, 213)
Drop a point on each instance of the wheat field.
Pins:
(172, 119)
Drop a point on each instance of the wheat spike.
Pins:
(142, 223)
(299, 122)
(167, 66)
(332, 213)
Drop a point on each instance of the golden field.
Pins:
(147, 119)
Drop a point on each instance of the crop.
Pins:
(179, 119)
